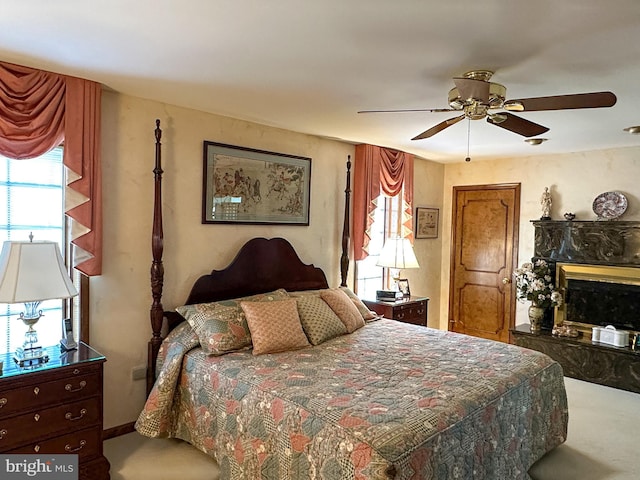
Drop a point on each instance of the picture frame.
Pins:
(403, 287)
(427, 219)
(248, 186)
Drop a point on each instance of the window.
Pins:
(33, 191)
(386, 224)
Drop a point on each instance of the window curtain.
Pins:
(376, 170)
(40, 110)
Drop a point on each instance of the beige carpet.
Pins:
(603, 444)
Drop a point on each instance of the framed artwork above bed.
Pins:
(244, 185)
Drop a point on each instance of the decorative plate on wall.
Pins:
(609, 205)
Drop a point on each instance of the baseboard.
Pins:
(118, 430)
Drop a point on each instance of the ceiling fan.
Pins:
(479, 98)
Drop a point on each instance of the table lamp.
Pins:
(397, 253)
(31, 272)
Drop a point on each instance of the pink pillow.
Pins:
(274, 326)
(362, 308)
(344, 308)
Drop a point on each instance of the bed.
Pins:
(383, 400)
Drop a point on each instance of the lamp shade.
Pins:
(397, 253)
(33, 272)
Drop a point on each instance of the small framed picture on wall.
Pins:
(427, 222)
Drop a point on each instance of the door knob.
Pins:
(506, 280)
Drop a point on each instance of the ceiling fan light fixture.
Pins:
(535, 141)
(513, 106)
(497, 118)
(634, 130)
(497, 94)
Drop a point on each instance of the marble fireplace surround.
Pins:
(597, 268)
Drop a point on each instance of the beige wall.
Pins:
(425, 281)
(573, 179)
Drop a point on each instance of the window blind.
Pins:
(33, 191)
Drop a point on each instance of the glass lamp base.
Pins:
(31, 353)
(30, 357)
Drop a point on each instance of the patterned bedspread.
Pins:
(390, 400)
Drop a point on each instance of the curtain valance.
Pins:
(376, 170)
(40, 110)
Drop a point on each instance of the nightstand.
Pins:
(408, 310)
(55, 408)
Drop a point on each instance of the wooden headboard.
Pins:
(261, 265)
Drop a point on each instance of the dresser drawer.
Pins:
(66, 389)
(411, 313)
(48, 422)
(86, 443)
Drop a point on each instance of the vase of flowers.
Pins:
(535, 284)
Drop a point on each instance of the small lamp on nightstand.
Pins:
(32, 272)
(397, 253)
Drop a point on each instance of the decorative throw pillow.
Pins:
(274, 326)
(319, 322)
(222, 326)
(362, 308)
(344, 308)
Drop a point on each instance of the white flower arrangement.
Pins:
(535, 283)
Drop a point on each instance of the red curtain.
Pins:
(40, 110)
(379, 169)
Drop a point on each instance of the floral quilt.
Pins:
(389, 401)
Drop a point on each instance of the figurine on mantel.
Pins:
(545, 202)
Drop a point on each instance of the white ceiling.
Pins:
(310, 65)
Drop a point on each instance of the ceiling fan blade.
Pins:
(410, 110)
(516, 124)
(562, 102)
(472, 89)
(438, 128)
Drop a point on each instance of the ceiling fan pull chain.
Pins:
(468, 159)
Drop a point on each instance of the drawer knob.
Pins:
(69, 388)
(3, 402)
(69, 415)
(36, 391)
(36, 417)
(36, 448)
(3, 432)
(76, 371)
(69, 448)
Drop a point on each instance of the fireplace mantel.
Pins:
(612, 242)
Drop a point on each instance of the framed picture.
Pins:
(403, 287)
(427, 222)
(243, 185)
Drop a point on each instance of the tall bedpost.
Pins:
(344, 258)
(157, 269)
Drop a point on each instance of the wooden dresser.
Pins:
(55, 408)
(408, 310)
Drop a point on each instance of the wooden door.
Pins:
(483, 257)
